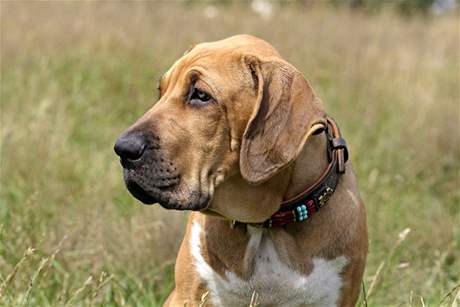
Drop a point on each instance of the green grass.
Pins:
(74, 75)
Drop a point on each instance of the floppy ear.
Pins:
(286, 113)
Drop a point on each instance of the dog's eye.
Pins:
(199, 97)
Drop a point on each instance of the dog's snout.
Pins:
(130, 146)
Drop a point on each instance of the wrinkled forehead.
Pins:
(221, 56)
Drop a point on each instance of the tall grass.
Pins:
(74, 75)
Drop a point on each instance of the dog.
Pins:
(239, 138)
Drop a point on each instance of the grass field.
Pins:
(74, 75)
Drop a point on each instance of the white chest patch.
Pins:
(273, 281)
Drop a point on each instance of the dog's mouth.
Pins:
(168, 196)
(150, 190)
(152, 178)
(138, 192)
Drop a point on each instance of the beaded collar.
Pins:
(311, 200)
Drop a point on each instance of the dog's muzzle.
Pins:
(147, 174)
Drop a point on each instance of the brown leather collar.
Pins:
(313, 198)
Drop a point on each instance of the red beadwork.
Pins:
(286, 217)
(311, 207)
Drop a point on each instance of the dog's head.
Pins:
(227, 108)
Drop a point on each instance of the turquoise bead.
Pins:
(302, 212)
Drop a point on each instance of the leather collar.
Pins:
(303, 206)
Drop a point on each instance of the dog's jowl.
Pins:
(240, 138)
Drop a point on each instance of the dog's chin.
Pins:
(195, 201)
(188, 206)
(139, 193)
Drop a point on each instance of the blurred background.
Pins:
(75, 74)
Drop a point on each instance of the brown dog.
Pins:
(239, 135)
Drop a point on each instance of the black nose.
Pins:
(130, 146)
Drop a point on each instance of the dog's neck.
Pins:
(237, 200)
(309, 165)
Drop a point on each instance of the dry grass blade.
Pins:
(456, 299)
(204, 298)
(44, 266)
(437, 268)
(364, 294)
(378, 274)
(103, 280)
(29, 251)
(33, 281)
(375, 278)
(452, 295)
(254, 299)
(422, 301)
(54, 254)
(87, 283)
